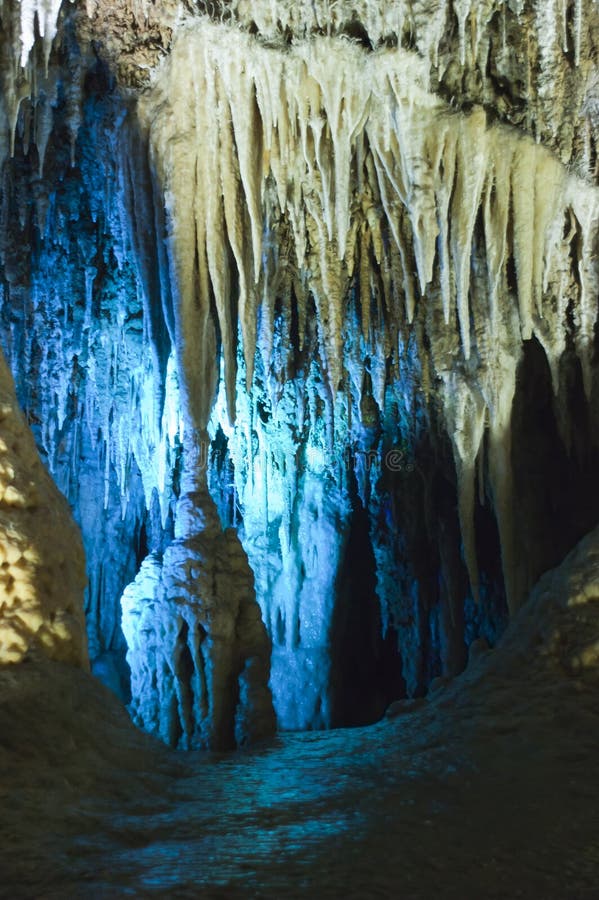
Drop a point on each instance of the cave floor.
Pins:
(488, 790)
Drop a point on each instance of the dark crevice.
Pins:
(557, 486)
(365, 665)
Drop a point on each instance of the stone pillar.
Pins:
(198, 650)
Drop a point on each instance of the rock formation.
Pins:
(42, 567)
(198, 651)
(334, 265)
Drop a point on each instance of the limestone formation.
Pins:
(355, 244)
(42, 569)
(197, 647)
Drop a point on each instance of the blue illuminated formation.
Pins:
(293, 475)
(288, 354)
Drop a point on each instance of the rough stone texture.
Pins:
(498, 769)
(197, 647)
(560, 620)
(42, 566)
(414, 266)
(530, 62)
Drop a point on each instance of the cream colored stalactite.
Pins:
(328, 290)
(45, 13)
(429, 23)
(417, 149)
(364, 278)
(500, 474)
(345, 105)
(42, 565)
(194, 327)
(268, 296)
(577, 30)
(585, 207)
(496, 211)
(216, 230)
(248, 131)
(201, 362)
(385, 18)
(311, 113)
(322, 160)
(539, 204)
(444, 165)
(281, 156)
(500, 353)
(391, 205)
(523, 179)
(273, 114)
(335, 286)
(472, 157)
(560, 200)
(550, 331)
(465, 413)
(189, 173)
(481, 12)
(462, 12)
(235, 221)
(549, 201)
(329, 284)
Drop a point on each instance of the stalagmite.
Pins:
(330, 233)
(198, 651)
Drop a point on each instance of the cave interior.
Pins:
(299, 441)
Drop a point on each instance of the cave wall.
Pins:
(42, 568)
(350, 249)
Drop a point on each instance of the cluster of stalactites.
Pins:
(332, 170)
(30, 84)
(390, 19)
(347, 147)
(37, 17)
(471, 47)
(79, 315)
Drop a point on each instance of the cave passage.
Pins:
(299, 449)
(300, 303)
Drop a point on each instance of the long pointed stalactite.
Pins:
(364, 171)
(297, 259)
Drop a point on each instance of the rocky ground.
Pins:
(488, 789)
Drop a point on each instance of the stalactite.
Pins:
(323, 228)
(423, 157)
(45, 14)
(466, 410)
